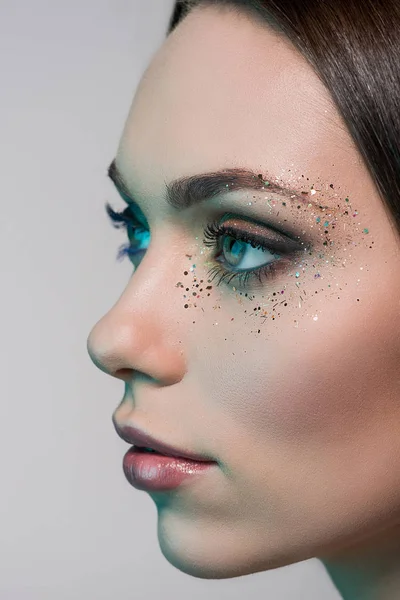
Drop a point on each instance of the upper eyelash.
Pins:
(212, 233)
(216, 230)
(120, 219)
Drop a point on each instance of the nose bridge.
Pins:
(142, 331)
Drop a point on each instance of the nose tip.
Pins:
(92, 353)
(120, 351)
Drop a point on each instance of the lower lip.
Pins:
(155, 472)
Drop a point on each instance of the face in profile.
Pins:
(260, 326)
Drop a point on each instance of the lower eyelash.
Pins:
(127, 250)
(244, 276)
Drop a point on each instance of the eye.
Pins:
(139, 236)
(248, 254)
(244, 256)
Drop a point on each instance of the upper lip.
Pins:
(134, 436)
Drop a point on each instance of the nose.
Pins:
(141, 333)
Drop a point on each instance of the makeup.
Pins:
(156, 472)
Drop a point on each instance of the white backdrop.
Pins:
(71, 525)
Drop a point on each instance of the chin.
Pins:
(203, 551)
(215, 566)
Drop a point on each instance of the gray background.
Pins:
(71, 525)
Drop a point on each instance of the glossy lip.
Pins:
(138, 438)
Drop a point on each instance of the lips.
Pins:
(140, 439)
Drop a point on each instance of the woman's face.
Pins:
(290, 380)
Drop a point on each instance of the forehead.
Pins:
(225, 91)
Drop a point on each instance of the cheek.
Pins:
(331, 382)
(309, 420)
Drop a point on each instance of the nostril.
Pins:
(125, 374)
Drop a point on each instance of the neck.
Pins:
(369, 570)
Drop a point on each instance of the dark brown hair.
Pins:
(354, 47)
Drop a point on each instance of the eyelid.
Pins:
(133, 208)
(264, 234)
(272, 219)
(137, 214)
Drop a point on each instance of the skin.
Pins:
(303, 417)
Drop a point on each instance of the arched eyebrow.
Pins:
(186, 191)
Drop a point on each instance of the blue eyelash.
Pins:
(212, 234)
(126, 220)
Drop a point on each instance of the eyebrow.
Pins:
(186, 191)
